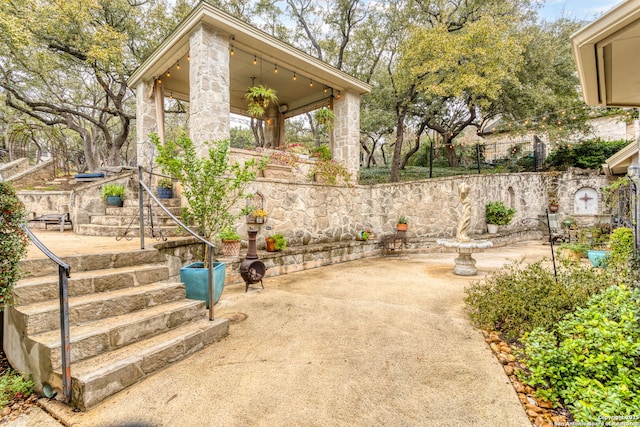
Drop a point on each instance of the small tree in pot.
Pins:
(214, 187)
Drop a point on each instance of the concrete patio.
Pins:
(380, 341)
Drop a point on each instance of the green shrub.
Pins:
(590, 360)
(13, 385)
(590, 154)
(621, 244)
(13, 241)
(517, 299)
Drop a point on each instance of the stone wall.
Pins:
(309, 213)
(11, 169)
(21, 174)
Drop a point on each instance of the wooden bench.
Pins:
(60, 219)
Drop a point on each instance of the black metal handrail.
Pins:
(142, 187)
(64, 272)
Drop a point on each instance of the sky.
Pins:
(582, 10)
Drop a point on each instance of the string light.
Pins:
(294, 76)
(275, 70)
(188, 57)
(177, 65)
(255, 60)
(168, 73)
(232, 52)
(310, 83)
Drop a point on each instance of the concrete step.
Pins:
(93, 338)
(45, 316)
(44, 266)
(43, 288)
(106, 230)
(97, 378)
(124, 221)
(132, 202)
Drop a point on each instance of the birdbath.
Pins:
(465, 264)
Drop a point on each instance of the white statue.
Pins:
(464, 219)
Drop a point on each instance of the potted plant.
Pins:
(214, 188)
(322, 151)
(598, 238)
(325, 116)
(496, 214)
(364, 235)
(552, 198)
(113, 194)
(574, 251)
(230, 242)
(402, 224)
(329, 172)
(165, 188)
(258, 100)
(276, 242)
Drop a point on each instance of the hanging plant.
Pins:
(326, 117)
(258, 100)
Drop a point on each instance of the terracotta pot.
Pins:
(271, 245)
(402, 227)
(231, 247)
(553, 208)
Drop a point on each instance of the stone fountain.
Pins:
(465, 265)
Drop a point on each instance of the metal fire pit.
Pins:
(252, 269)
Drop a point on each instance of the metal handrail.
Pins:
(143, 187)
(64, 272)
(548, 224)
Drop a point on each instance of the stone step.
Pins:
(124, 221)
(132, 202)
(97, 378)
(43, 288)
(133, 211)
(93, 338)
(106, 230)
(45, 316)
(44, 266)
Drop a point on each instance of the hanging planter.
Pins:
(326, 117)
(258, 100)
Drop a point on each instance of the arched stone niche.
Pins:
(585, 201)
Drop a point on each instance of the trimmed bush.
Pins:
(590, 360)
(517, 299)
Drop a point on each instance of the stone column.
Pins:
(146, 122)
(208, 86)
(346, 133)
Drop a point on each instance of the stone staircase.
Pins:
(116, 221)
(127, 321)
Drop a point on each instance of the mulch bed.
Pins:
(541, 413)
(19, 404)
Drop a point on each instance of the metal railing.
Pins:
(64, 272)
(142, 187)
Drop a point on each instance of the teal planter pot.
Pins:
(598, 258)
(195, 279)
(114, 201)
(165, 193)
